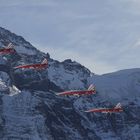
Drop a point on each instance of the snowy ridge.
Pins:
(119, 85)
(68, 75)
(21, 46)
(31, 110)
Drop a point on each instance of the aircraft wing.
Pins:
(95, 110)
(1, 51)
(17, 67)
(22, 66)
(61, 93)
(67, 93)
(92, 110)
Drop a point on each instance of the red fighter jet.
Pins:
(40, 66)
(90, 90)
(116, 109)
(8, 50)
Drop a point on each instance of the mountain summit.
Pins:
(30, 109)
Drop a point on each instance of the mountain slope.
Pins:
(26, 54)
(30, 110)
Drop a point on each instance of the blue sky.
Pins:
(103, 35)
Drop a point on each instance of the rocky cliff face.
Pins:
(30, 110)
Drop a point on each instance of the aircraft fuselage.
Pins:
(107, 110)
(81, 92)
(7, 51)
(33, 66)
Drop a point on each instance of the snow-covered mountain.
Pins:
(30, 110)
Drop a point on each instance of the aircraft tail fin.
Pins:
(10, 45)
(118, 105)
(91, 87)
(45, 61)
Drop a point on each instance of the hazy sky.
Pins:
(103, 35)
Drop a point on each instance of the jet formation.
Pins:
(44, 64)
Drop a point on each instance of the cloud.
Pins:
(93, 64)
(102, 35)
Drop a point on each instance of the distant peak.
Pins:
(67, 61)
